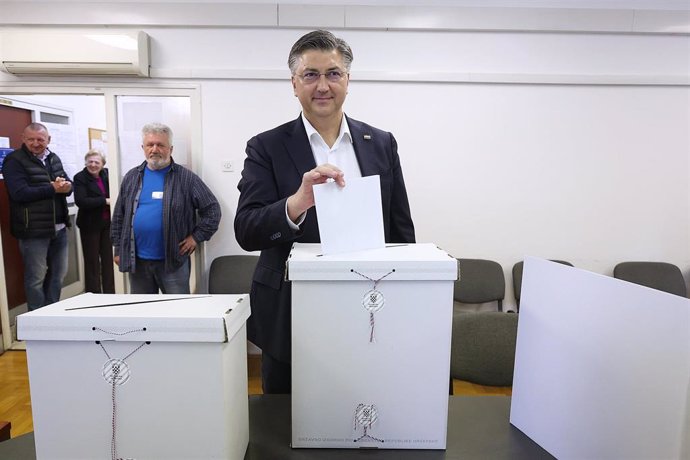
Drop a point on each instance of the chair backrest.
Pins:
(517, 277)
(483, 347)
(231, 274)
(480, 281)
(657, 275)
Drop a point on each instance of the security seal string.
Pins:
(373, 300)
(116, 372)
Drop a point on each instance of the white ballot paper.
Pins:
(350, 217)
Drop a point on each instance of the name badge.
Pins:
(157, 195)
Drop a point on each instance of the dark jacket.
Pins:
(35, 208)
(189, 208)
(273, 169)
(90, 199)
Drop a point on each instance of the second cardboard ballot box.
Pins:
(139, 376)
(371, 334)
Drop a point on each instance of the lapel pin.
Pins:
(367, 137)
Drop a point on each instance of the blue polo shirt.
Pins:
(148, 219)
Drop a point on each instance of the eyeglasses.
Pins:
(311, 76)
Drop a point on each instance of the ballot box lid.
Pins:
(420, 262)
(137, 317)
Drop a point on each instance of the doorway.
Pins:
(179, 107)
(13, 120)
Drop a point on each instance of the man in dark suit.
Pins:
(276, 194)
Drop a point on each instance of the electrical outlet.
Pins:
(228, 166)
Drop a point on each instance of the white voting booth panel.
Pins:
(602, 366)
(355, 386)
(177, 390)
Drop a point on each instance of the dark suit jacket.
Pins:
(273, 169)
(90, 200)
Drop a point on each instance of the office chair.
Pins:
(231, 274)
(480, 281)
(656, 275)
(517, 278)
(483, 347)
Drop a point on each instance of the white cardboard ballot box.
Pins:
(139, 376)
(371, 334)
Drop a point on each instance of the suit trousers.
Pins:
(276, 376)
(98, 260)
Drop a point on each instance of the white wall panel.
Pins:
(552, 15)
(322, 16)
(140, 15)
(502, 171)
(662, 21)
(450, 18)
(256, 53)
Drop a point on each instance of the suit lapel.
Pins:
(298, 147)
(362, 143)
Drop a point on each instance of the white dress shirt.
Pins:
(342, 155)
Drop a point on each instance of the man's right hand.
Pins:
(116, 259)
(60, 185)
(303, 199)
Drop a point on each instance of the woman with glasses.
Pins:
(92, 195)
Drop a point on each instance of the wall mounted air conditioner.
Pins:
(74, 52)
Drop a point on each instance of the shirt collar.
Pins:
(43, 156)
(343, 134)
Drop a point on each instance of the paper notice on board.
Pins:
(350, 217)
